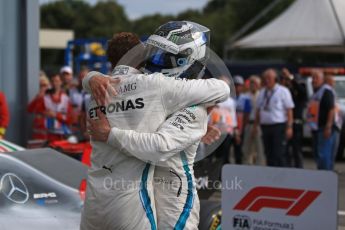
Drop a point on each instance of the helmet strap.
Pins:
(193, 71)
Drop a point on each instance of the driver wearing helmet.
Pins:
(176, 199)
(177, 207)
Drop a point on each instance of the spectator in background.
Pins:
(338, 116)
(274, 114)
(242, 108)
(299, 97)
(38, 126)
(74, 89)
(4, 115)
(223, 116)
(66, 74)
(76, 92)
(252, 148)
(43, 78)
(329, 80)
(69, 84)
(320, 117)
(54, 109)
(77, 97)
(86, 97)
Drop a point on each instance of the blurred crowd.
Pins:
(264, 124)
(59, 107)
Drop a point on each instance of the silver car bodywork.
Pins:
(39, 189)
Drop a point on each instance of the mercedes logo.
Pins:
(14, 188)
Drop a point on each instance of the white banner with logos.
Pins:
(267, 198)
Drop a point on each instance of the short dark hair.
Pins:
(120, 44)
(54, 75)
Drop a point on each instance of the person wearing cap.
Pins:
(73, 88)
(299, 97)
(274, 114)
(252, 148)
(242, 110)
(66, 73)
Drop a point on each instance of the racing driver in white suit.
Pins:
(145, 104)
(175, 195)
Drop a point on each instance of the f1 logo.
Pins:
(295, 201)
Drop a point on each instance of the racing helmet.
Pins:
(178, 49)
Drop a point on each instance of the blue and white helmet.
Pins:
(178, 49)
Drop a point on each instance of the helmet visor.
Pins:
(160, 58)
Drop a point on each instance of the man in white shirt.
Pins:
(275, 115)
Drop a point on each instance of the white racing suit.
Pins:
(118, 194)
(175, 194)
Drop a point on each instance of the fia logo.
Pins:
(241, 222)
